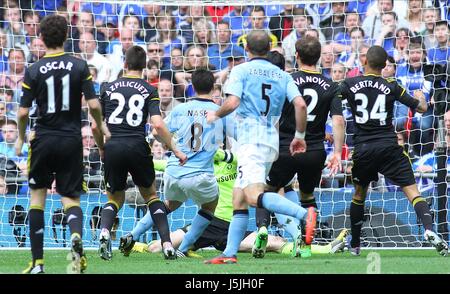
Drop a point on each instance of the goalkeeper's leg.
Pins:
(108, 215)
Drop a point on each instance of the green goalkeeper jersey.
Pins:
(225, 170)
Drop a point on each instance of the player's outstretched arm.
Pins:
(334, 164)
(230, 104)
(22, 120)
(298, 144)
(163, 133)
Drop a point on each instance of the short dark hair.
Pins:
(308, 50)
(441, 23)
(390, 13)
(54, 30)
(258, 42)
(203, 81)
(376, 57)
(258, 9)
(136, 58)
(392, 60)
(276, 58)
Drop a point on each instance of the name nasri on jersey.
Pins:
(56, 65)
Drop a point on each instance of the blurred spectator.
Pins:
(180, 13)
(239, 21)
(155, 51)
(195, 14)
(258, 18)
(117, 56)
(131, 9)
(3, 117)
(37, 50)
(338, 72)
(150, 20)
(372, 23)
(414, 17)
(3, 51)
(85, 24)
(13, 26)
(219, 52)
(133, 22)
(430, 17)
(386, 38)
(327, 59)
(357, 39)
(167, 34)
(91, 156)
(31, 25)
(342, 40)
(176, 59)
(217, 12)
(152, 73)
(10, 135)
(102, 12)
(94, 73)
(44, 7)
(356, 61)
(300, 25)
(88, 46)
(217, 94)
(360, 6)
(7, 95)
(412, 77)
(319, 12)
(390, 69)
(282, 24)
(166, 96)
(402, 38)
(335, 23)
(158, 150)
(204, 33)
(195, 57)
(13, 77)
(441, 53)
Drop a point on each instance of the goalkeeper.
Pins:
(225, 169)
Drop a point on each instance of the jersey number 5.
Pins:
(266, 98)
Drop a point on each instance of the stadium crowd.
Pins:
(178, 40)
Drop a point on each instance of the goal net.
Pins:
(180, 36)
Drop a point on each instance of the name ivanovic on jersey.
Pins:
(128, 84)
(300, 80)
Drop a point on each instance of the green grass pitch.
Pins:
(390, 262)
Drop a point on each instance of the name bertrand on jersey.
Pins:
(370, 84)
(129, 84)
(54, 65)
(312, 79)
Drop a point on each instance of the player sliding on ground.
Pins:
(128, 103)
(258, 89)
(56, 83)
(371, 99)
(225, 171)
